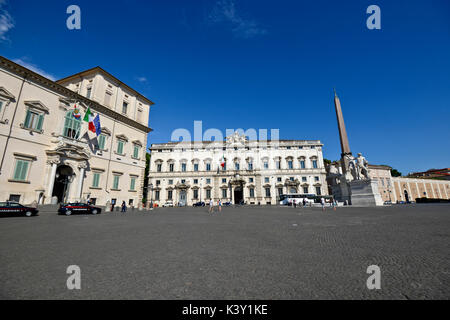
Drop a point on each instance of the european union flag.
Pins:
(98, 128)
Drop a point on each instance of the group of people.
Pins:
(211, 206)
(123, 207)
(322, 202)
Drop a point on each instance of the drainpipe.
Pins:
(12, 122)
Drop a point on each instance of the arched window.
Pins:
(72, 126)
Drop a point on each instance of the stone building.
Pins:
(255, 172)
(407, 189)
(47, 152)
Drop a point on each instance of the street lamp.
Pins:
(151, 196)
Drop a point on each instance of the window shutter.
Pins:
(23, 174)
(18, 170)
(40, 121)
(27, 119)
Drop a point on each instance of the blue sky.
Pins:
(262, 64)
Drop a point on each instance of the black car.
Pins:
(9, 209)
(199, 204)
(77, 208)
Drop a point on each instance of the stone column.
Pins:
(82, 167)
(51, 182)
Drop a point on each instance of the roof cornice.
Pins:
(52, 85)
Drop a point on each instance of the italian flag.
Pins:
(89, 117)
(222, 162)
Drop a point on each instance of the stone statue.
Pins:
(362, 166)
(352, 170)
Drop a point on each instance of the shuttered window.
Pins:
(21, 170)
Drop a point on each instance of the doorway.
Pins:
(406, 196)
(238, 195)
(182, 200)
(63, 179)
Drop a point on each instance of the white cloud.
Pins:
(141, 79)
(224, 11)
(34, 68)
(6, 21)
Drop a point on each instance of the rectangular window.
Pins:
(316, 179)
(250, 180)
(291, 178)
(171, 167)
(252, 193)
(195, 166)
(1, 105)
(95, 179)
(88, 92)
(318, 191)
(279, 179)
(33, 120)
(280, 191)
(133, 183)
(208, 193)
(224, 193)
(266, 179)
(108, 96)
(250, 166)
(158, 182)
(267, 192)
(314, 164)
(224, 180)
(208, 181)
(159, 167)
(266, 165)
(183, 167)
(116, 182)
(302, 164)
(304, 179)
(195, 181)
(170, 181)
(157, 195)
(290, 165)
(169, 194)
(136, 151)
(120, 144)
(305, 190)
(124, 107)
(236, 166)
(208, 167)
(101, 142)
(21, 170)
(278, 164)
(195, 193)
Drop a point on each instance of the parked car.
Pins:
(168, 203)
(228, 203)
(10, 208)
(78, 208)
(199, 204)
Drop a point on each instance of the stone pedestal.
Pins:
(365, 193)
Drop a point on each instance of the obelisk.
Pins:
(345, 148)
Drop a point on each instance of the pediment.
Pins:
(122, 137)
(137, 142)
(6, 94)
(38, 105)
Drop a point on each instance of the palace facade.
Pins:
(236, 170)
(48, 154)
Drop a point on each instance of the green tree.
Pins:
(147, 171)
(395, 173)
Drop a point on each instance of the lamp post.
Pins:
(151, 196)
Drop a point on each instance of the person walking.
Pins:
(219, 203)
(124, 207)
(334, 204)
(304, 202)
(211, 206)
(294, 203)
(322, 201)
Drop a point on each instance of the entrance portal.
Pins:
(63, 178)
(406, 196)
(182, 200)
(238, 195)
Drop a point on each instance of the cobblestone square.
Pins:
(240, 253)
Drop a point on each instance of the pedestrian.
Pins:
(211, 206)
(322, 201)
(304, 202)
(295, 203)
(334, 203)
(219, 203)
(124, 206)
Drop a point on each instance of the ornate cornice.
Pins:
(57, 88)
